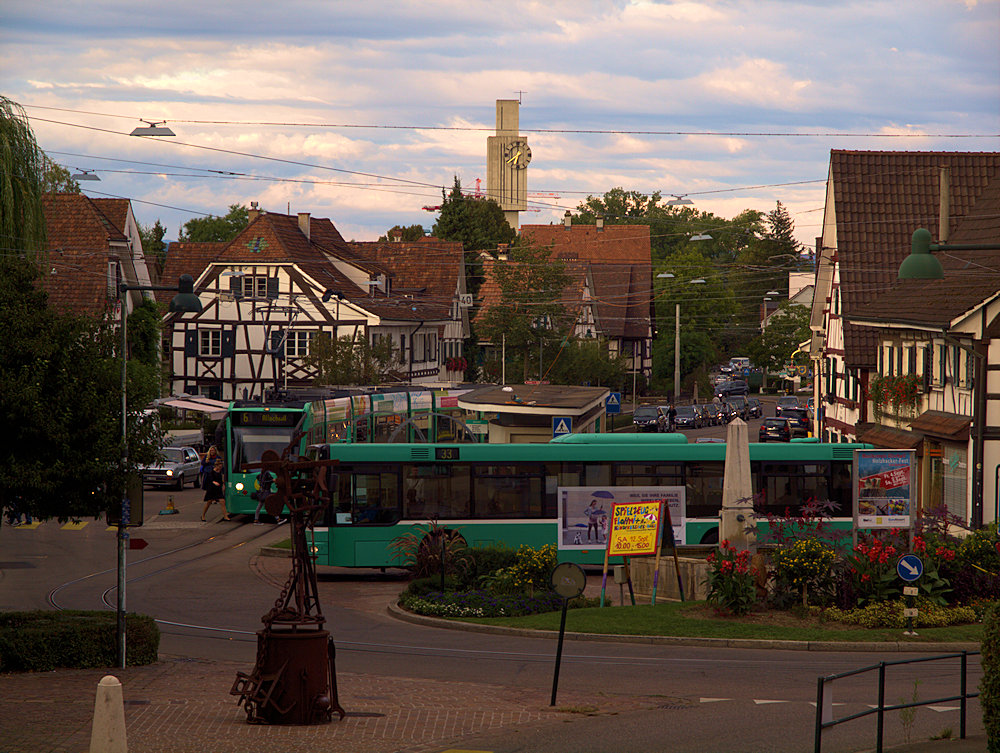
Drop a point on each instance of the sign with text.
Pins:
(583, 514)
(884, 488)
(635, 528)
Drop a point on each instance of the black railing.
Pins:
(881, 708)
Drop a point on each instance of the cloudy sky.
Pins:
(361, 111)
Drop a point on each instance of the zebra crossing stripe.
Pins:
(71, 526)
(944, 708)
(713, 700)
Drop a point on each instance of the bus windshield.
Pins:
(249, 442)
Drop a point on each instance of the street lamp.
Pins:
(184, 301)
(152, 128)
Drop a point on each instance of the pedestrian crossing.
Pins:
(68, 526)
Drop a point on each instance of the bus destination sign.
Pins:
(265, 418)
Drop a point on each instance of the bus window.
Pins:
(787, 487)
(651, 474)
(376, 498)
(508, 491)
(596, 474)
(437, 491)
(704, 489)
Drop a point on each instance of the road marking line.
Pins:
(944, 708)
(713, 700)
(813, 704)
(71, 526)
(32, 526)
(761, 702)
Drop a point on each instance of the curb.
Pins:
(274, 551)
(397, 612)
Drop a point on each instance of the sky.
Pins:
(363, 111)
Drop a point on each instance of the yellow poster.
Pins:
(635, 528)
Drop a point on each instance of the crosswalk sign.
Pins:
(561, 425)
(613, 403)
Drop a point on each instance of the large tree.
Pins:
(22, 171)
(152, 241)
(406, 234)
(529, 308)
(786, 329)
(57, 179)
(217, 229)
(350, 361)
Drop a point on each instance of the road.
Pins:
(208, 586)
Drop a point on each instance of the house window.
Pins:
(890, 361)
(210, 342)
(297, 344)
(941, 377)
(911, 357)
(899, 361)
(970, 370)
(254, 286)
(956, 365)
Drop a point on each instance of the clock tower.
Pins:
(507, 158)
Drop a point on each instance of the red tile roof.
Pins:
(880, 198)
(615, 244)
(79, 238)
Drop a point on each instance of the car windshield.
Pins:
(644, 413)
(776, 422)
(797, 413)
(737, 400)
(685, 410)
(173, 455)
(790, 402)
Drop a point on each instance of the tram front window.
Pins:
(249, 443)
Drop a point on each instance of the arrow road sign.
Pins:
(910, 567)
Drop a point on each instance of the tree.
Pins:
(786, 328)
(57, 179)
(216, 229)
(22, 170)
(529, 308)
(350, 360)
(586, 362)
(407, 234)
(480, 226)
(152, 241)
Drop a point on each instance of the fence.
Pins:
(824, 697)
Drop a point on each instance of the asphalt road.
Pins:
(208, 587)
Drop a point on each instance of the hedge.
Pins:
(41, 641)
(989, 686)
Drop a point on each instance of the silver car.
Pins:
(178, 466)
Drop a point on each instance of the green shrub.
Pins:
(989, 686)
(41, 641)
(487, 560)
(420, 586)
(889, 614)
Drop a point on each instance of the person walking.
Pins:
(208, 462)
(671, 418)
(266, 477)
(215, 491)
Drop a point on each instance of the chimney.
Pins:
(397, 236)
(568, 220)
(304, 224)
(600, 224)
(253, 213)
(502, 251)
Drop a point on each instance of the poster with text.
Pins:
(884, 488)
(635, 528)
(584, 512)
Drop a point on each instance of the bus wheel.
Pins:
(711, 537)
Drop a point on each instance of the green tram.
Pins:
(403, 415)
(509, 494)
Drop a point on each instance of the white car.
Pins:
(179, 465)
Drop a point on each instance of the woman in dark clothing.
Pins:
(215, 491)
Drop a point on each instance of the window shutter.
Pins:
(228, 343)
(236, 286)
(272, 287)
(928, 368)
(191, 343)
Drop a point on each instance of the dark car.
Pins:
(714, 413)
(776, 429)
(788, 401)
(754, 408)
(740, 404)
(707, 417)
(646, 418)
(734, 387)
(687, 417)
(800, 421)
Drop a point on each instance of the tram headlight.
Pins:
(239, 486)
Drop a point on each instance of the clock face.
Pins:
(518, 155)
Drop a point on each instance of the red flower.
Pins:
(919, 545)
(865, 577)
(724, 543)
(710, 557)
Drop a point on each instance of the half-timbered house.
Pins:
(284, 279)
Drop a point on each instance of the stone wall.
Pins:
(694, 572)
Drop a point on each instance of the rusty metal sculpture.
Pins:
(294, 680)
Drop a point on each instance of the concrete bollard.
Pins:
(108, 733)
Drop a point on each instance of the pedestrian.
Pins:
(265, 479)
(15, 513)
(215, 490)
(208, 462)
(671, 418)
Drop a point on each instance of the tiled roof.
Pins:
(615, 244)
(942, 424)
(79, 238)
(887, 437)
(115, 210)
(186, 258)
(970, 277)
(624, 299)
(880, 198)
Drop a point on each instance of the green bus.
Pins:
(514, 494)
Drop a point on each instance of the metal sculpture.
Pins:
(294, 680)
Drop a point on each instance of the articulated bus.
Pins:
(510, 494)
(372, 417)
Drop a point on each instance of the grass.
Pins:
(695, 620)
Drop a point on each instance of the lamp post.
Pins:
(184, 301)
(677, 334)
(922, 265)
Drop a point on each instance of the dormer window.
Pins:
(253, 286)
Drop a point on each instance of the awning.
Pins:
(214, 408)
(938, 423)
(886, 437)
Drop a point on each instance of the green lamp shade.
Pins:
(921, 263)
(185, 300)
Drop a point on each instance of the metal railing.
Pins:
(824, 697)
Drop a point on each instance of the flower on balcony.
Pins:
(456, 364)
(901, 392)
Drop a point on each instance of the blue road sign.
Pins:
(561, 425)
(613, 403)
(910, 567)
(746, 371)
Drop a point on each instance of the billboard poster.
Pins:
(884, 488)
(635, 528)
(584, 512)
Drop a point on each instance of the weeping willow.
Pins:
(22, 168)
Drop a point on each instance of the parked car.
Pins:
(800, 421)
(687, 417)
(787, 401)
(741, 406)
(733, 387)
(646, 418)
(777, 429)
(178, 466)
(755, 408)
